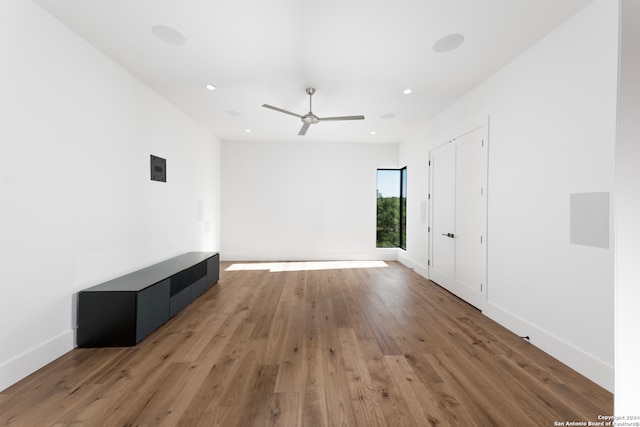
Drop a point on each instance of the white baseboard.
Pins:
(596, 370)
(382, 254)
(420, 269)
(30, 361)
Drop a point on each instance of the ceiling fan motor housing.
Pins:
(310, 118)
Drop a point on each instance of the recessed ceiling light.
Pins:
(210, 87)
(168, 35)
(373, 132)
(407, 91)
(448, 43)
(247, 130)
(387, 116)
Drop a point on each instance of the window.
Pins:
(391, 194)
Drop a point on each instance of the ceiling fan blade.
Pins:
(281, 110)
(303, 129)
(323, 119)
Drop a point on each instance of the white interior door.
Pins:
(442, 202)
(458, 220)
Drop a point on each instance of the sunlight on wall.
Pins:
(305, 265)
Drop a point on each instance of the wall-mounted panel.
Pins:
(589, 219)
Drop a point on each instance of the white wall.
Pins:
(552, 133)
(627, 213)
(77, 206)
(292, 201)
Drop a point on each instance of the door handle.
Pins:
(451, 235)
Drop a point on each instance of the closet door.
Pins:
(443, 215)
(458, 220)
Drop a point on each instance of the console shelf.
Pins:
(123, 311)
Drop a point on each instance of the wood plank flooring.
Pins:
(314, 345)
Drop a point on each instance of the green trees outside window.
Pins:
(392, 207)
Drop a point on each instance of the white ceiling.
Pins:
(359, 54)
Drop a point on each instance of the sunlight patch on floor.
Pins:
(304, 265)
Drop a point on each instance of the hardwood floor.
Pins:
(377, 346)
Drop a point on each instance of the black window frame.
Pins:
(402, 207)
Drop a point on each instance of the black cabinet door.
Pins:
(153, 309)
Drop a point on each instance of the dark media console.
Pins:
(123, 311)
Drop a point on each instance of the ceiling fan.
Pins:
(310, 118)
